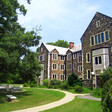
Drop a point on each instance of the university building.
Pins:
(86, 60)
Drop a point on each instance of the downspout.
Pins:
(48, 65)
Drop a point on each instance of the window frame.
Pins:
(62, 67)
(53, 67)
(87, 73)
(54, 56)
(88, 61)
(54, 76)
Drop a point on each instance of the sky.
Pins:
(62, 19)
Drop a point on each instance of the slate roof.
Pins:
(61, 50)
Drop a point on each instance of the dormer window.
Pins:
(98, 24)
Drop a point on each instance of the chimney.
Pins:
(71, 45)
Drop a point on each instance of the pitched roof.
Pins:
(61, 50)
(96, 15)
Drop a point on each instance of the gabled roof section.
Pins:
(99, 15)
(61, 50)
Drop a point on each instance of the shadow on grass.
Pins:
(20, 94)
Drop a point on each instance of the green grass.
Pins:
(78, 105)
(30, 98)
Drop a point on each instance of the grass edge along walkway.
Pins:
(69, 97)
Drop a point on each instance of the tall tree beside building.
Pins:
(14, 40)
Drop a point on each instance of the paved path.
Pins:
(89, 97)
(69, 97)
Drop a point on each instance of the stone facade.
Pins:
(57, 65)
(96, 46)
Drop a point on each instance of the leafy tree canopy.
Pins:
(60, 43)
(14, 40)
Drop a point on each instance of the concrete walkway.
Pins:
(69, 97)
(89, 97)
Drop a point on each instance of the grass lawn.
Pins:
(79, 105)
(29, 98)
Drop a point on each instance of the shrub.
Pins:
(106, 75)
(107, 96)
(33, 84)
(26, 85)
(73, 80)
(46, 82)
(64, 85)
(78, 89)
(97, 92)
(55, 82)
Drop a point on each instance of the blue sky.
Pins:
(62, 19)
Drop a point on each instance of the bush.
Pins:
(46, 82)
(55, 82)
(78, 89)
(33, 84)
(73, 80)
(87, 90)
(106, 75)
(26, 85)
(97, 92)
(107, 96)
(64, 85)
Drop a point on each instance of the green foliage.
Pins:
(107, 96)
(78, 89)
(97, 92)
(55, 82)
(73, 80)
(60, 43)
(15, 43)
(26, 85)
(106, 75)
(46, 82)
(64, 85)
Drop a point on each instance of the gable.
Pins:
(100, 19)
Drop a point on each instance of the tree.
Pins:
(73, 80)
(30, 68)
(14, 40)
(106, 75)
(107, 96)
(60, 43)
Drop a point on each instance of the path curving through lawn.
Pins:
(68, 97)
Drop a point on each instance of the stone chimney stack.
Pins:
(71, 45)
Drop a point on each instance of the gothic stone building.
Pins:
(86, 60)
(96, 48)
(59, 62)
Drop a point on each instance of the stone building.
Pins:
(96, 48)
(58, 62)
(87, 60)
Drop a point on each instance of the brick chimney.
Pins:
(71, 45)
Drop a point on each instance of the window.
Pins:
(74, 56)
(69, 66)
(92, 40)
(102, 37)
(62, 58)
(80, 68)
(98, 24)
(62, 77)
(98, 60)
(55, 56)
(68, 56)
(62, 67)
(88, 74)
(79, 57)
(99, 38)
(88, 57)
(54, 76)
(41, 58)
(41, 49)
(96, 40)
(55, 66)
(107, 35)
